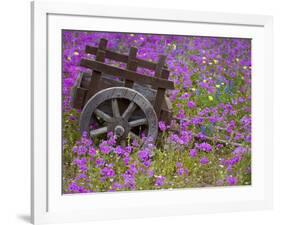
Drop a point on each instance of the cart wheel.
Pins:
(121, 110)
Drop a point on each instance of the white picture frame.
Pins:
(49, 205)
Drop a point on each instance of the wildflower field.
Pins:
(207, 144)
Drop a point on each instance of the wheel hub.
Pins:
(119, 127)
(119, 130)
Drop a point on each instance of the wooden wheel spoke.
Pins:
(129, 111)
(115, 108)
(98, 131)
(138, 122)
(103, 115)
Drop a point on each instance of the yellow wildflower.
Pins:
(210, 98)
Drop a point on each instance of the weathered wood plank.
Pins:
(96, 75)
(94, 84)
(132, 65)
(79, 98)
(130, 75)
(166, 110)
(160, 65)
(160, 96)
(121, 57)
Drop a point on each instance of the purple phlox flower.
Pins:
(174, 138)
(129, 180)
(173, 94)
(204, 112)
(197, 121)
(184, 96)
(73, 118)
(81, 163)
(232, 161)
(213, 119)
(241, 100)
(147, 140)
(248, 138)
(219, 146)
(116, 186)
(100, 162)
(239, 150)
(191, 104)
(230, 126)
(229, 168)
(126, 160)
(181, 114)
(150, 173)
(193, 153)
(74, 188)
(104, 147)
(128, 150)
(84, 134)
(228, 107)
(205, 147)
(184, 124)
(180, 171)
(107, 172)
(118, 150)
(111, 139)
(185, 137)
(110, 165)
(204, 84)
(147, 163)
(92, 151)
(82, 150)
(86, 141)
(231, 180)
(232, 112)
(238, 136)
(75, 149)
(162, 126)
(144, 154)
(204, 161)
(179, 164)
(133, 169)
(135, 143)
(160, 180)
(245, 121)
(81, 176)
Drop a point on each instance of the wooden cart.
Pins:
(122, 100)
